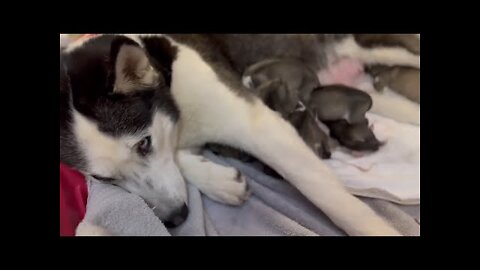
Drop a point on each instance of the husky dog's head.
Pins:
(118, 118)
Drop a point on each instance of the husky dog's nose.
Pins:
(177, 218)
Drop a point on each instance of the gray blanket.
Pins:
(275, 208)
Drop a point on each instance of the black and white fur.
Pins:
(183, 91)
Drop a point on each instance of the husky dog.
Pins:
(135, 110)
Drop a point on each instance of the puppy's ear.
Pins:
(131, 67)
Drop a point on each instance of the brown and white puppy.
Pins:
(403, 80)
(285, 85)
(290, 75)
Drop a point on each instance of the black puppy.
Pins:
(343, 110)
(356, 136)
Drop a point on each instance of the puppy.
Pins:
(403, 80)
(279, 97)
(356, 136)
(343, 109)
(283, 84)
(298, 80)
(314, 136)
(305, 124)
(335, 102)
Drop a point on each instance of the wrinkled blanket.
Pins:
(275, 208)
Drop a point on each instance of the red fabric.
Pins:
(73, 199)
(73, 194)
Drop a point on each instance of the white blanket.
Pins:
(393, 172)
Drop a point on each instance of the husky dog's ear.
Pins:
(131, 67)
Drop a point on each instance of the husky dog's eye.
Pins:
(144, 146)
(101, 178)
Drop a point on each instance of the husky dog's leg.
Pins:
(213, 112)
(220, 183)
(395, 106)
(266, 135)
(277, 143)
(390, 56)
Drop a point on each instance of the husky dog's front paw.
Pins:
(230, 187)
(218, 182)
